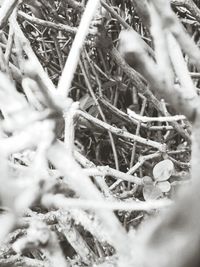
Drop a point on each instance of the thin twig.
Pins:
(122, 133)
(145, 119)
(73, 57)
(60, 201)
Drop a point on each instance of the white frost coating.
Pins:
(180, 68)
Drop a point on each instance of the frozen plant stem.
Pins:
(6, 10)
(59, 201)
(73, 58)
